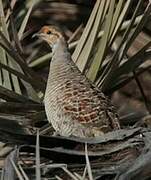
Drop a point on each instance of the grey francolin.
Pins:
(73, 105)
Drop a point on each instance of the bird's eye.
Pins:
(48, 32)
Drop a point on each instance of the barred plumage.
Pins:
(73, 105)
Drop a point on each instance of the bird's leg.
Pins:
(56, 133)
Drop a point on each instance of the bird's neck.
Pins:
(60, 51)
(61, 63)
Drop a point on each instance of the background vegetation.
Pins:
(110, 43)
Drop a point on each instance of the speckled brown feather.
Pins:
(73, 105)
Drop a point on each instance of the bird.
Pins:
(74, 106)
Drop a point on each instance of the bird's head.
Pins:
(50, 34)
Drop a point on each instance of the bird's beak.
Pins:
(36, 35)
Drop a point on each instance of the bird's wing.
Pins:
(86, 105)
